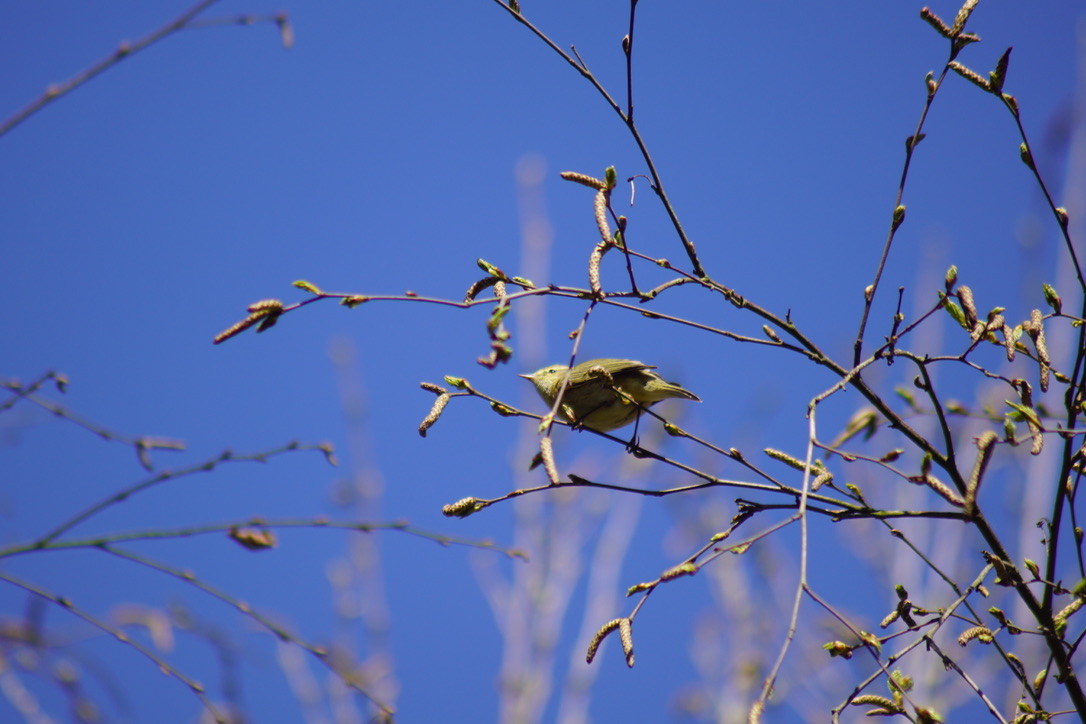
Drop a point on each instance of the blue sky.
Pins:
(144, 212)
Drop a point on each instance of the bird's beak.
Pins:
(527, 377)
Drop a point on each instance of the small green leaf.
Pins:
(1027, 413)
(907, 395)
(491, 269)
(891, 456)
(353, 301)
(999, 75)
(1009, 429)
(1062, 217)
(496, 317)
(954, 407)
(1052, 298)
(502, 409)
(956, 312)
(1026, 156)
(899, 216)
(871, 640)
(899, 681)
(951, 277)
(838, 648)
(610, 177)
(673, 430)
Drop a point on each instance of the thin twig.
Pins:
(125, 50)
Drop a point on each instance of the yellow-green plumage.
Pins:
(589, 400)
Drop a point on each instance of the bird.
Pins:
(589, 400)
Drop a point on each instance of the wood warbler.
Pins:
(589, 398)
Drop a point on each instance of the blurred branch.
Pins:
(126, 50)
(207, 466)
(142, 444)
(441, 539)
(349, 677)
(121, 637)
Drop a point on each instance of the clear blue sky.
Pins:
(143, 212)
